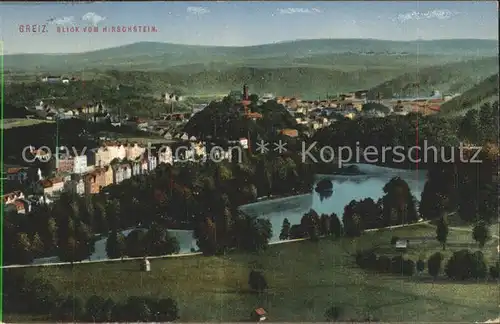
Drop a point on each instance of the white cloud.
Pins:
(440, 14)
(70, 20)
(93, 18)
(197, 11)
(291, 11)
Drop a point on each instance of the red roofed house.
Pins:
(289, 132)
(20, 206)
(11, 197)
(258, 315)
(52, 186)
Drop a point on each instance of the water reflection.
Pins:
(344, 189)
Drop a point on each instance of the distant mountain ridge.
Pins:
(155, 54)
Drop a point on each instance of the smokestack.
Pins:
(245, 92)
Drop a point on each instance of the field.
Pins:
(305, 278)
(20, 122)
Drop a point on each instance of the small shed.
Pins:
(402, 245)
(258, 315)
(145, 265)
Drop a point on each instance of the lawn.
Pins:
(20, 122)
(305, 278)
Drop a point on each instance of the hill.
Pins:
(484, 91)
(447, 78)
(161, 55)
(305, 81)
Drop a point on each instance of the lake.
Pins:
(345, 188)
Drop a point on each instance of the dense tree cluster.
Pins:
(384, 264)
(203, 197)
(462, 265)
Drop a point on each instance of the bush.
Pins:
(257, 281)
(137, 309)
(394, 239)
(408, 268)
(167, 310)
(42, 297)
(366, 259)
(464, 265)
(384, 264)
(479, 268)
(434, 264)
(107, 311)
(420, 265)
(371, 319)
(397, 265)
(332, 314)
(495, 271)
(71, 309)
(94, 309)
(15, 288)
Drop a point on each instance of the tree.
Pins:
(257, 281)
(434, 264)
(432, 202)
(115, 245)
(495, 271)
(335, 225)
(252, 233)
(85, 242)
(24, 249)
(157, 241)
(352, 224)
(285, 230)
(332, 314)
(398, 203)
(324, 225)
(481, 233)
(37, 245)
(50, 242)
(205, 234)
(310, 223)
(135, 244)
(442, 231)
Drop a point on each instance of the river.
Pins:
(345, 189)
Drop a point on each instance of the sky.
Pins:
(231, 23)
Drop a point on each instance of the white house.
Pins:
(75, 185)
(165, 155)
(80, 164)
